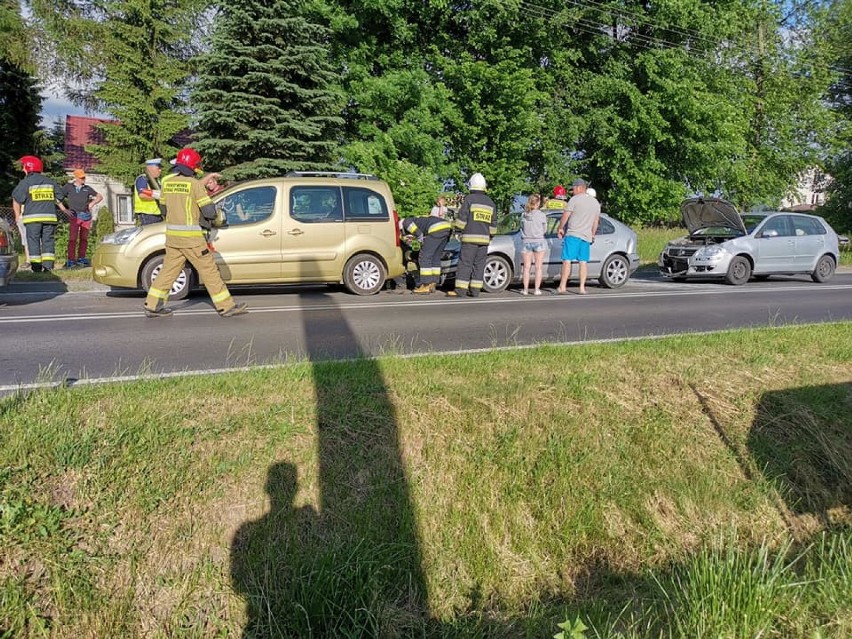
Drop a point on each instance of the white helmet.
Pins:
(477, 182)
(592, 192)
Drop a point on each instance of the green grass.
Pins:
(653, 240)
(653, 488)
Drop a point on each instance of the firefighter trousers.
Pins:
(431, 250)
(471, 268)
(41, 243)
(201, 258)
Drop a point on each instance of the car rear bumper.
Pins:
(8, 268)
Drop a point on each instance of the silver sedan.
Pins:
(612, 260)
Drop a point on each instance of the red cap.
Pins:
(559, 191)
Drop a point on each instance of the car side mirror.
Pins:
(769, 233)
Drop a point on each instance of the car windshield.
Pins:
(751, 221)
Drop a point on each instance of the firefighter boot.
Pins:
(236, 309)
(160, 312)
(424, 289)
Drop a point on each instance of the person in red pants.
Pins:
(80, 198)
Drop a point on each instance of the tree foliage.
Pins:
(650, 101)
(266, 99)
(133, 60)
(20, 101)
(838, 27)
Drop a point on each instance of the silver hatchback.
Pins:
(612, 260)
(724, 244)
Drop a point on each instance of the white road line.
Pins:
(427, 302)
(94, 381)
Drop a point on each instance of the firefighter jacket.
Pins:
(38, 195)
(189, 208)
(148, 207)
(477, 219)
(555, 204)
(432, 226)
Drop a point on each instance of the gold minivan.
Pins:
(302, 228)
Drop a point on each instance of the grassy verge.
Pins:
(687, 487)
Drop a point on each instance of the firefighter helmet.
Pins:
(559, 191)
(31, 164)
(477, 182)
(592, 192)
(189, 157)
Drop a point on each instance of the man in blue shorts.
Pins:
(577, 229)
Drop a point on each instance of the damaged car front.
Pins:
(718, 234)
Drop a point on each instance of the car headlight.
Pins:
(122, 237)
(713, 252)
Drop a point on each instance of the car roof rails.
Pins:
(334, 174)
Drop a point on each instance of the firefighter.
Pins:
(34, 201)
(189, 211)
(558, 201)
(147, 193)
(433, 233)
(476, 223)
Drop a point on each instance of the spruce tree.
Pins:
(266, 99)
(145, 74)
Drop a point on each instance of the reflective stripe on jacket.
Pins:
(37, 194)
(183, 196)
(477, 218)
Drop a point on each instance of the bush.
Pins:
(104, 225)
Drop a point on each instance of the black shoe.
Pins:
(236, 309)
(161, 312)
(472, 294)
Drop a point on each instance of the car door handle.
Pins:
(295, 232)
(268, 233)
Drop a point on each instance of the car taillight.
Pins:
(4, 242)
(396, 227)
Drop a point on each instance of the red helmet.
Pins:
(189, 157)
(31, 164)
(559, 191)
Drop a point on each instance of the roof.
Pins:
(81, 131)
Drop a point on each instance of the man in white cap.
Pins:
(146, 193)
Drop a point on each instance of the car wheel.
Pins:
(739, 271)
(364, 274)
(824, 269)
(615, 271)
(497, 275)
(181, 287)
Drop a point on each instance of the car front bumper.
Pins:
(692, 266)
(111, 266)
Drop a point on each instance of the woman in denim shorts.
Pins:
(533, 229)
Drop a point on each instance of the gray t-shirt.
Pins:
(584, 211)
(533, 225)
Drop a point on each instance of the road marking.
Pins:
(433, 302)
(121, 379)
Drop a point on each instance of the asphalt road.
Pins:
(53, 335)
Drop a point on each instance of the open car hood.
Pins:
(704, 212)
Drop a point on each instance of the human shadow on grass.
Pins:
(801, 439)
(354, 567)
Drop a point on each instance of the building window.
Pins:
(124, 209)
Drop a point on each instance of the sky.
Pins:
(55, 107)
